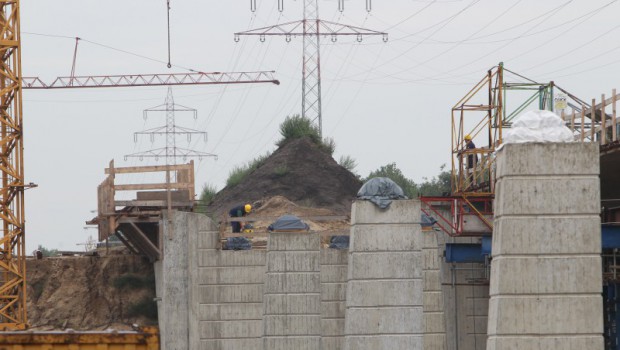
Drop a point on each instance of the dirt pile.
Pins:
(90, 293)
(298, 171)
(278, 206)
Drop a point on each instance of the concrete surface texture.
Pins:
(334, 266)
(292, 298)
(465, 288)
(296, 295)
(545, 289)
(384, 307)
(434, 320)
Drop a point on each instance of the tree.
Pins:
(438, 185)
(47, 252)
(395, 174)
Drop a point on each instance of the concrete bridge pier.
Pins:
(546, 281)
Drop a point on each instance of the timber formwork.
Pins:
(136, 222)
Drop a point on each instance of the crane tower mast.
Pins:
(12, 247)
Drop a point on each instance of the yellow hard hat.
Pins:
(248, 208)
(468, 137)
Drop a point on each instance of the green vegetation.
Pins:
(395, 174)
(348, 163)
(146, 307)
(206, 197)
(47, 252)
(238, 173)
(133, 281)
(281, 170)
(436, 186)
(296, 127)
(37, 288)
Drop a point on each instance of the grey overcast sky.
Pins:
(382, 102)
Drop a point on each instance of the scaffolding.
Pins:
(482, 115)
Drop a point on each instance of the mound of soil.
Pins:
(90, 293)
(298, 171)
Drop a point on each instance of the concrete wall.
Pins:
(385, 281)
(466, 299)
(434, 320)
(333, 297)
(546, 271)
(292, 298)
(298, 296)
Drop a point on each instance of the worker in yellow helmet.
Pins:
(472, 158)
(238, 212)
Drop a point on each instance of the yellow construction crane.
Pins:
(12, 246)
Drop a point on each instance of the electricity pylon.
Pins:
(311, 28)
(171, 152)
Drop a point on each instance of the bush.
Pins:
(238, 173)
(131, 281)
(328, 146)
(38, 287)
(47, 252)
(348, 163)
(146, 307)
(206, 197)
(296, 127)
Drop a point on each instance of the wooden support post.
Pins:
(572, 122)
(614, 131)
(592, 120)
(583, 117)
(603, 121)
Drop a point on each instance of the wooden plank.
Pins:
(583, 117)
(152, 203)
(155, 186)
(145, 169)
(191, 180)
(177, 195)
(614, 130)
(146, 240)
(592, 120)
(150, 220)
(595, 107)
(572, 122)
(603, 119)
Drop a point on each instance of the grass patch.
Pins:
(37, 289)
(132, 281)
(146, 307)
(281, 170)
(238, 173)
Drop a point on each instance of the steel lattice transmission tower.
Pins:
(170, 131)
(311, 28)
